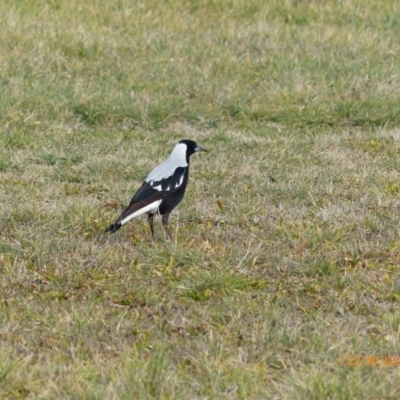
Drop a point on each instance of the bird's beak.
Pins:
(199, 148)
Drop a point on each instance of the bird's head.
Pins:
(191, 147)
(183, 150)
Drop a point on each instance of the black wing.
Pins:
(163, 187)
(150, 192)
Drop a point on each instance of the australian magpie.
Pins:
(162, 190)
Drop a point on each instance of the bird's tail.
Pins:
(113, 227)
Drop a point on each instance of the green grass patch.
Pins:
(284, 261)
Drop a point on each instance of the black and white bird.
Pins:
(162, 190)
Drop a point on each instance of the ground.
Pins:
(282, 277)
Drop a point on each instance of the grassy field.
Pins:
(282, 279)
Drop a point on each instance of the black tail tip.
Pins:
(113, 228)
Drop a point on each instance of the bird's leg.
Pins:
(151, 220)
(164, 220)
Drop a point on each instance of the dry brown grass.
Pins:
(285, 254)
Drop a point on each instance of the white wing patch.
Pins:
(150, 208)
(170, 185)
(180, 181)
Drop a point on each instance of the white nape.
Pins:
(176, 159)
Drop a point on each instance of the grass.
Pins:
(283, 269)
